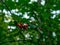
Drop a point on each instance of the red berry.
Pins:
(20, 25)
(25, 26)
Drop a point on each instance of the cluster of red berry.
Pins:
(22, 26)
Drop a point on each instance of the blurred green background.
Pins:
(42, 17)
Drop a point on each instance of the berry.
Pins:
(20, 25)
(25, 26)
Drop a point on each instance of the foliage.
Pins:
(43, 28)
